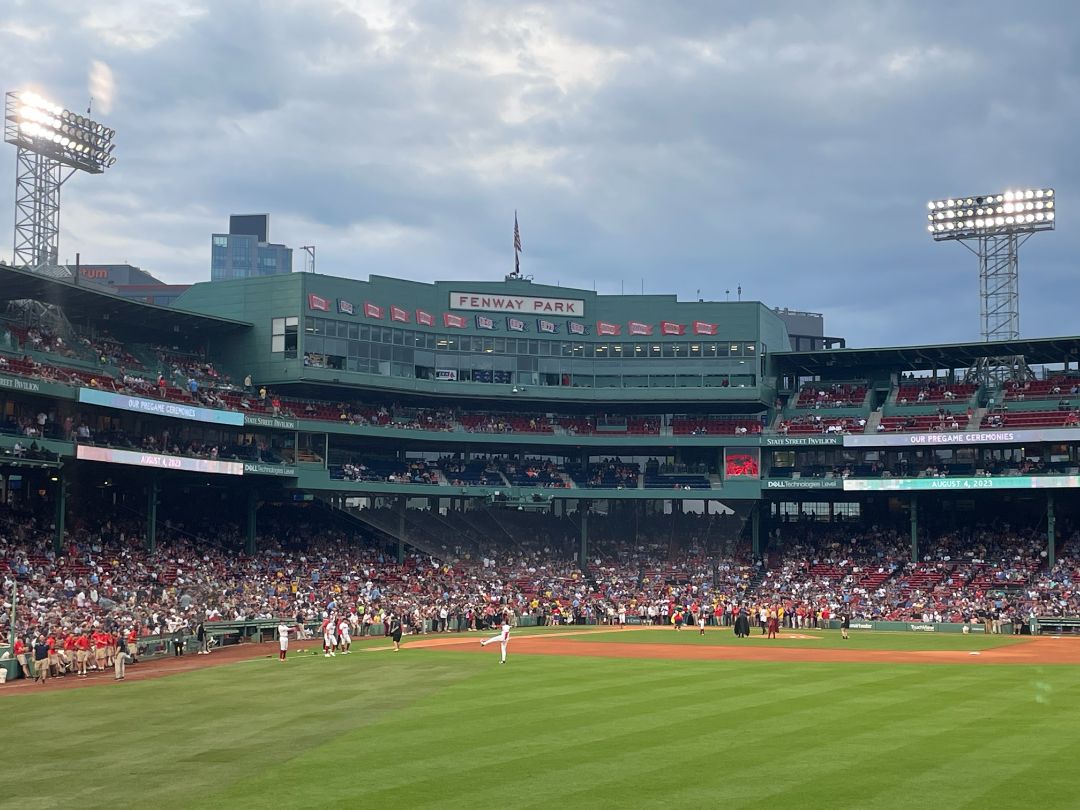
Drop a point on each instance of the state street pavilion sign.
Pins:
(523, 304)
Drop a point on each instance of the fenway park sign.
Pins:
(526, 304)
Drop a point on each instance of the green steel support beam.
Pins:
(914, 528)
(583, 548)
(151, 515)
(1051, 531)
(252, 521)
(61, 512)
(755, 530)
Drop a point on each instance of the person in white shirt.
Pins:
(503, 638)
(344, 639)
(329, 637)
(283, 640)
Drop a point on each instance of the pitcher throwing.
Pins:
(503, 638)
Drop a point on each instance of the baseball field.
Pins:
(575, 719)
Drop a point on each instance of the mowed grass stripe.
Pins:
(205, 729)
(660, 767)
(619, 726)
(938, 731)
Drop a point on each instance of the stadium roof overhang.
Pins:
(924, 358)
(87, 303)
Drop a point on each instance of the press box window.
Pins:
(284, 335)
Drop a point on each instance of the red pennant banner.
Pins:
(669, 328)
(703, 328)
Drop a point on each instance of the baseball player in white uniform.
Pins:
(503, 638)
(283, 640)
(329, 639)
(344, 639)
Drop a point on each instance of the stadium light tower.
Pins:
(53, 143)
(993, 226)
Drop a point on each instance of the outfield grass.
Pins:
(815, 639)
(445, 729)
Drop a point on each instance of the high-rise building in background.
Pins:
(128, 281)
(246, 252)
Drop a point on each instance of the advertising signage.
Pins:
(158, 407)
(522, 304)
(820, 440)
(964, 484)
(260, 468)
(1000, 436)
(158, 461)
(803, 483)
(254, 420)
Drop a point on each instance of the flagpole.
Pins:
(517, 247)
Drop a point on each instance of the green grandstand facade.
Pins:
(456, 395)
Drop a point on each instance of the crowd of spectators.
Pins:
(836, 395)
(104, 579)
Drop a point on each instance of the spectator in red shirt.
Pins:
(21, 655)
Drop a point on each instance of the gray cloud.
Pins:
(698, 145)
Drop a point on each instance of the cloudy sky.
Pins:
(786, 147)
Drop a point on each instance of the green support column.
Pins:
(1051, 531)
(151, 516)
(401, 534)
(61, 512)
(583, 548)
(914, 528)
(252, 522)
(755, 530)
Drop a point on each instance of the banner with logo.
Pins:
(575, 328)
(703, 328)
(425, 318)
(345, 307)
(399, 314)
(669, 328)
(452, 321)
(604, 328)
(516, 325)
(315, 302)
(638, 328)
(373, 311)
(484, 322)
(446, 374)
